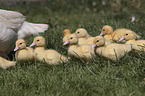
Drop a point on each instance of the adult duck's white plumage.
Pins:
(12, 27)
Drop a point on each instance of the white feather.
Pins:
(13, 26)
(29, 29)
(133, 19)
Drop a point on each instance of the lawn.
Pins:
(76, 78)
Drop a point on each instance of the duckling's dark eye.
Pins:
(37, 40)
(20, 43)
(71, 38)
(78, 32)
(103, 29)
(97, 41)
(126, 34)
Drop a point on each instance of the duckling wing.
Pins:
(90, 40)
(84, 49)
(49, 56)
(139, 45)
(118, 49)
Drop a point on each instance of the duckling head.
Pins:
(72, 39)
(128, 35)
(66, 32)
(81, 33)
(106, 30)
(98, 41)
(38, 41)
(20, 44)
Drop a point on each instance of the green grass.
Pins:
(99, 78)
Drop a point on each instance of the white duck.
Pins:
(12, 27)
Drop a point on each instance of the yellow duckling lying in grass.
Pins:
(112, 51)
(84, 37)
(6, 64)
(116, 35)
(83, 52)
(107, 31)
(50, 56)
(23, 54)
(130, 39)
(66, 33)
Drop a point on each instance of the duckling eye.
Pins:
(78, 32)
(97, 41)
(37, 40)
(103, 29)
(126, 34)
(71, 38)
(20, 43)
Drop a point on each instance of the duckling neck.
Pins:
(87, 36)
(130, 41)
(102, 45)
(73, 47)
(22, 49)
(40, 48)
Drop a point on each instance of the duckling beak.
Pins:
(101, 34)
(66, 42)
(93, 46)
(33, 44)
(16, 48)
(122, 38)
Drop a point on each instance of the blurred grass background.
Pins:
(100, 77)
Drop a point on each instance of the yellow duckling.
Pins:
(84, 37)
(116, 35)
(83, 51)
(66, 33)
(23, 54)
(112, 51)
(51, 57)
(130, 39)
(107, 31)
(6, 64)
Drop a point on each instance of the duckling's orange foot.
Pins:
(3, 54)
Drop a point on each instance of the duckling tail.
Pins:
(138, 36)
(65, 59)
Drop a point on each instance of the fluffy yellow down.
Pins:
(111, 51)
(50, 56)
(116, 35)
(83, 52)
(130, 39)
(83, 36)
(66, 33)
(23, 54)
